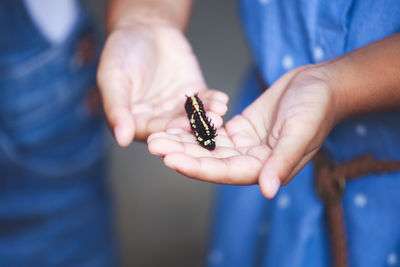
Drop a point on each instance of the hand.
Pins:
(269, 143)
(144, 73)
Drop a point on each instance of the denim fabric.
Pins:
(55, 208)
(289, 230)
(19, 38)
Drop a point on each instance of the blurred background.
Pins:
(162, 217)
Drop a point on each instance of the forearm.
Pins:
(367, 79)
(170, 12)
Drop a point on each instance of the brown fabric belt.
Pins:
(330, 183)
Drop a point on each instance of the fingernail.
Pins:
(121, 132)
(269, 182)
(272, 186)
(118, 133)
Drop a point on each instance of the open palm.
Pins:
(267, 144)
(144, 73)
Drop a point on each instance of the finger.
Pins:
(217, 106)
(124, 128)
(162, 123)
(148, 124)
(223, 139)
(214, 94)
(162, 144)
(178, 134)
(116, 108)
(242, 132)
(260, 152)
(183, 121)
(215, 101)
(261, 111)
(284, 157)
(223, 171)
(258, 118)
(304, 160)
(166, 146)
(160, 135)
(215, 119)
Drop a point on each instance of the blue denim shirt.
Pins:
(289, 230)
(54, 204)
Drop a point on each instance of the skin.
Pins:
(274, 137)
(280, 132)
(147, 65)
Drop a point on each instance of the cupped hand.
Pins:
(145, 71)
(268, 144)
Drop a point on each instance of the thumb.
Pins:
(285, 156)
(117, 110)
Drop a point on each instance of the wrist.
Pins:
(367, 79)
(331, 71)
(151, 13)
(135, 20)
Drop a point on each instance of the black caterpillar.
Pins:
(201, 125)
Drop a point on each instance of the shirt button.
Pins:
(318, 53)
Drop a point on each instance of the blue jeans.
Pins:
(55, 208)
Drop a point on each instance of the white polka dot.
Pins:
(287, 62)
(263, 228)
(318, 53)
(283, 201)
(215, 256)
(264, 1)
(360, 200)
(392, 259)
(361, 130)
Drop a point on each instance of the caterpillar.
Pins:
(201, 125)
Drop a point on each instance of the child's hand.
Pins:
(144, 73)
(268, 143)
